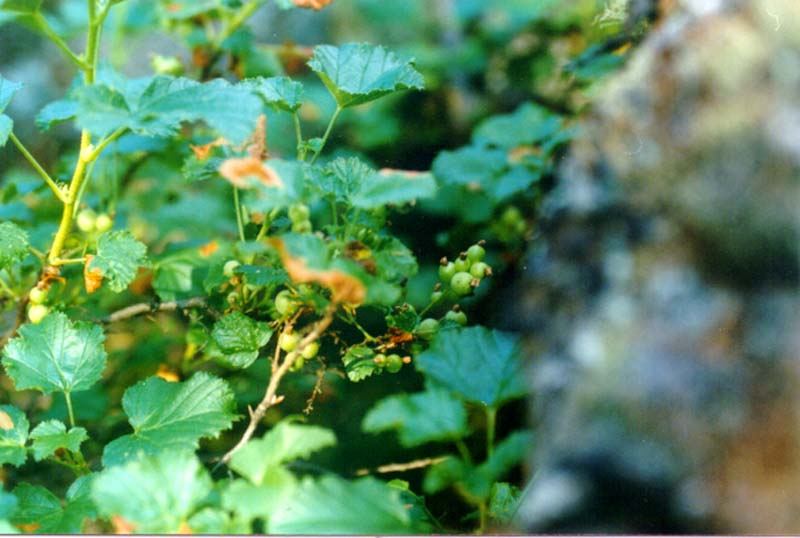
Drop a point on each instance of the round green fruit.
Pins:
(87, 220)
(230, 267)
(288, 341)
(462, 283)
(456, 317)
(461, 264)
(103, 223)
(311, 350)
(285, 303)
(476, 253)
(479, 269)
(427, 328)
(37, 296)
(394, 363)
(299, 213)
(37, 313)
(447, 271)
(302, 227)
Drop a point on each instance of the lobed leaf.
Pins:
(13, 436)
(280, 93)
(172, 416)
(13, 244)
(42, 511)
(528, 124)
(240, 337)
(481, 365)
(51, 435)
(56, 355)
(356, 73)
(119, 255)
(433, 415)
(154, 494)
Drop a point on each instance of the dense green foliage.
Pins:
(194, 271)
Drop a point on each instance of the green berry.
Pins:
(230, 267)
(436, 296)
(457, 317)
(475, 253)
(303, 226)
(87, 220)
(461, 264)
(233, 297)
(299, 213)
(37, 296)
(103, 223)
(288, 341)
(461, 283)
(379, 359)
(447, 271)
(394, 363)
(511, 216)
(479, 269)
(285, 303)
(37, 313)
(310, 351)
(298, 364)
(427, 328)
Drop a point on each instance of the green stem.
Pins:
(36, 166)
(327, 133)
(238, 208)
(464, 451)
(4, 286)
(47, 30)
(240, 18)
(491, 422)
(483, 511)
(298, 131)
(68, 397)
(103, 144)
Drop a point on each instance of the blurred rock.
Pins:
(663, 295)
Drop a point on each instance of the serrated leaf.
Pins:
(357, 73)
(403, 317)
(469, 165)
(341, 178)
(285, 442)
(503, 502)
(157, 106)
(41, 510)
(281, 93)
(395, 260)
(21, 6)
(359, 364)
(13, 244)
(394, 187)
(481, 365)
(55, 113)
(7, 91)
(157, 494)
(529, 124)
(262, 276)
(172, 416)
(51, 435)
(433, 415)
(119, 255)
(13, 436)
(331, 505)
(56, 355)
(240, 337)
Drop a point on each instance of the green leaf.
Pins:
(359, 364)
(39, 507)
(281, 93)
(419, 418)
(529, 124)
(481, 365)
(6, 127)
(55, 113)
(157, 494)
(13, 438)
(51, 435)
(443, 474)
(56, 355)
(508, 453)
(22, 6)
(285, 442)
(394, 188)
(239, 338)
(250, 501)
(395, 260)
(8, 504)
(469, 165)
(331, 505)
(157, 106)
(503, 502)
(341, 178)
(13, 244)
(357, 73)
(119, 255)
(403, 317)
(172, 416)
(7, 88)
(214, 521)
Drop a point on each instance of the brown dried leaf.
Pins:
(344, 288)
(238, 170)
(92, 278)
(316, 5)
(122, 526)
(209, 248)
(204, 152)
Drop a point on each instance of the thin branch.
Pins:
(270, 397)
(401, 467)
(147, 308)
(45, 27)
(39, 170)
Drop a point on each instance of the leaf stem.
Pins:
(47, 30)
(103, 144)
(327, 133)
(463, 451)
(68, 397)
(491, 422)
(4, 286)
(36, 166)
(237, 206)
(298, 131)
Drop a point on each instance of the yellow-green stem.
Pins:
(491, 421)
(327, 133)
(36, 166)
(68, 397)
(238, 208)
(301, 153)
(47, 30)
